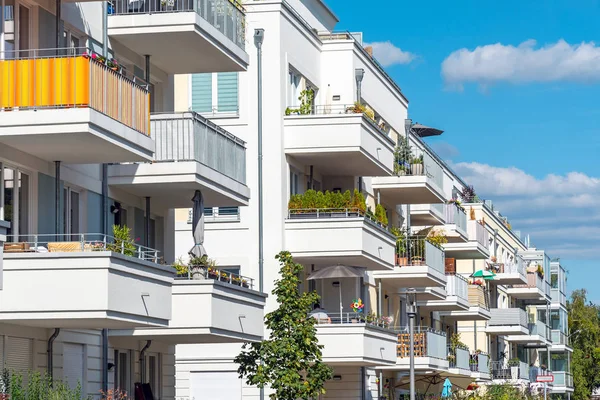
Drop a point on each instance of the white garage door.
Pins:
(215, 385)
(73, 364)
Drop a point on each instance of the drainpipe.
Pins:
(59, 32)
(363, 384)
(259, 36)
(50, 350)
(143, 361)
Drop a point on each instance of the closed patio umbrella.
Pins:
(447, 391)
(198, 226)
(337, 271)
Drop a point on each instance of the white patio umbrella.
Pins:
(198, 226)
(337, 271)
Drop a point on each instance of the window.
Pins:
(294, 89)
(295, 180)
(70, 212)
(16, 200)
(215, 92)
(122, 371)
(152, 374)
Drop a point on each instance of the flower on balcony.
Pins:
(113, 64)
(357, 305)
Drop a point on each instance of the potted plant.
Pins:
(514, 363)
(468, 195)
(416, 165)
(540, 271)
(401, 259)
(437, 237)
(112, 64)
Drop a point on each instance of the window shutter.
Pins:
(19, 356)
(73, 364)
(202, 93)
(227, 86)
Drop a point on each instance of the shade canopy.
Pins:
(487, 275)
(425, 131)
(198, 225)
(336, 271)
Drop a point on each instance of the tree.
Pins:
(584, 327)
(290, 361)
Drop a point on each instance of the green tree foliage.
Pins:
(584, 326)
(289, 362)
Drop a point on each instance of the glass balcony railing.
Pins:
(458, 286)
(427, 343)
(190, 137)
(227, 16)
(562, 379)
(415, 251)
(456, 215)
(73, 78)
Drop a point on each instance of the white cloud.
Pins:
(559, 212)
(445, 150)
(387, 54)
(493, 63)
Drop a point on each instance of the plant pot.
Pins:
(401, 261)
(514, 373)
(354, 321)
(416, 169)
(197, 272)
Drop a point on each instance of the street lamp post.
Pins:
(412, 315)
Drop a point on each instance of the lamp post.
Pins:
(359, 73)
(412, 315)
(259, 36)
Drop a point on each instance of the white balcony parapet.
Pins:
(210, 34)
(353, 340)
(86, 281)
(347, 236)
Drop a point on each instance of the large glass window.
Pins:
(16, 201)
(70, 212)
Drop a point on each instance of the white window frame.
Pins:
(16, 200)
(66, 208)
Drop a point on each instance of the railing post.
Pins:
(82, 241)
(35, 241)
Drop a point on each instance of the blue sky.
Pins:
(515, 86)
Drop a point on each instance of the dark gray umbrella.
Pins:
(198, 226)
(425, 131)
(337, 271)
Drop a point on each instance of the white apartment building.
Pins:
(88, 142)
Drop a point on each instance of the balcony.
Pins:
(429, 349)
(478, 306)
(507, 321)
(539, 335)
(509, 273)
(559, 340)
(533, 290)
(338, 236)
(349, 342)
(456, 223)
(459, 360)
(183, 36)
(419, 264)
(427, 214)
(502, 371)
(83, 281)
(339, 143)
(563, 382)
(227, 310)
(477, 247)
(480, 367)
(558, 297)
(456, 297)
(192, 154)
(418, 183)
(73, 109)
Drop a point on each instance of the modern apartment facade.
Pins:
(88, 142)
(89, 139)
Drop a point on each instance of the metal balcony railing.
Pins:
(342, 109)
(501, 370)
(458, 286)
(189, 136)
(427, 343)
(478, 232)
(217, 274)
(335, 214)
(459, 358)
(78, 242)
(508, 317)
(559, 338)
(335, 318)
(415, 251)
(534, 280)
(415, 161)
(227, 16)
(73, 78)
(480, 362)
(217, 214)
(456, 215)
